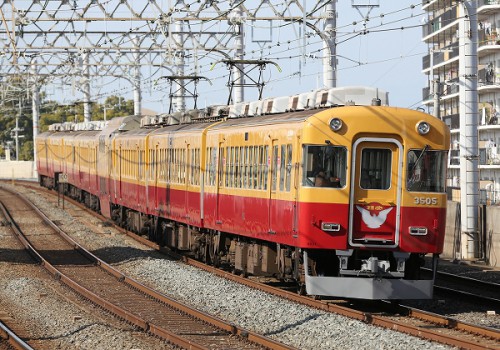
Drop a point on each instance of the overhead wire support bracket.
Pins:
(181, 90)
(239, 65)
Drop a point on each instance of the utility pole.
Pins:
(35, 105)
(180, 102)
(137, 77)
(15, 132)
(329, 45)
(238, 71)
(86, 86)
(469, 148)
(437, 98)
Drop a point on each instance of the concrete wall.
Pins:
(492, 235)
(17, 170)
(452, 236)
(490, 238)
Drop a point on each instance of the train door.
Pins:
(273, 184)
(375, 192)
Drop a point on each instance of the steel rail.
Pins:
(120, 312)
(12, 338)
(369, 318)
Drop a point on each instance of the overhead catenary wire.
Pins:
(276, 51)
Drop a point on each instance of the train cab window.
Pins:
(375, 169)
(426, 170)
(324, 166)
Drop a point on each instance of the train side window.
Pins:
(244, 158)
(255, 168)
(261, 168)
(233, 167)
(190, 165)
(213, 162)
(274, 168)
(199, 167)
(250, 167)
(221, 166)
(288, 173)
(141, 165)
(282, 167)
(237, 170)
(165, 171)
(180, 163)
(228, 161)
(208, 160)
(260, 181)
(267, 162)
(241, 183)
(184, 164)
(176, 166)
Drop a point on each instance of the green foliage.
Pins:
(26, 151)
(51, 112)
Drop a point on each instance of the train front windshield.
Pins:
(324, 166)
(426, 171)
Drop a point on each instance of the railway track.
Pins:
(467, 288)
(10, 340)
(404, 319)
(103, 285)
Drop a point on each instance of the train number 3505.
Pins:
(426, 201)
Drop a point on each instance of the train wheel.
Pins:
(301, 289)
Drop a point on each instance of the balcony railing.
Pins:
(488, 37)
(442, 21)
(443, 55)
(487, 2)
(452, 120)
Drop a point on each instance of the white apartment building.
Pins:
(441, 34)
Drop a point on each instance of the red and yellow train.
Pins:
(346, 200)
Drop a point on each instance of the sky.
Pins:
(381, 48)
(388, 57)
(393, 58)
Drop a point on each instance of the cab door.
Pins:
(375, 200)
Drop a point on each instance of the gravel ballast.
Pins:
(284, 321)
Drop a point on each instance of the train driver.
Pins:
(321, 180)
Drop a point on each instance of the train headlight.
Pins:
(423, 128)
(335, 124)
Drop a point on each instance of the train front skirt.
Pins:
(367, 288)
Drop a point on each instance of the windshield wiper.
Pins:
(410, 178)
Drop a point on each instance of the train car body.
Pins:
(344, 200)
